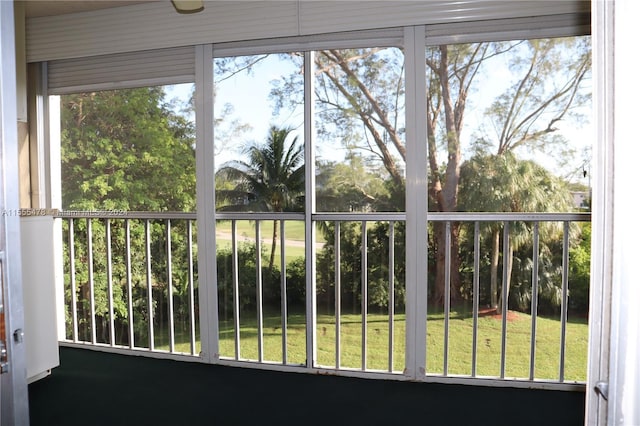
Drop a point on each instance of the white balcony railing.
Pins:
(131, 284)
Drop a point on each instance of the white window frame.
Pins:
(413, 39)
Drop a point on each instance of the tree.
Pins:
(352, 186)
(503, 183)
(126, 149)
(272, 179)
(366, 86)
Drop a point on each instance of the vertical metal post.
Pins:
(147, 239)
(92, 296)
(565, 298)
(236, 288)
(259, 307)
(606, 102)
(14, 401)
(127, 255)
(534, 298)
(363, 292)
(505, 301)
(192, 314)
(338, 288)
(72, 282)
(283, 291)
(447, 295)
(417, 208)
(206, 204)
(476, 296)
(171, 324)
(310, 209)
(107, 236)
(392, 299)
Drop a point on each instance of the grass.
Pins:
(246, 231)
(294, 229)
(489, 348)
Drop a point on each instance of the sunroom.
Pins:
(378, 196)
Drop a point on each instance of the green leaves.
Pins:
(126, 149)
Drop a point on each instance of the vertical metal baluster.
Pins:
(170, 288)
(112, 336)
(534, 298)
(147, 238)
(476, 296)
(127, 237)
(283, 292)
(338, 289)
(192, 313)
(565, 297)
(72, 278)
(447, 294)
(505, 302)
(259, 293)
(236, 289)
(92, 301)
(392, 300)
(364, 278)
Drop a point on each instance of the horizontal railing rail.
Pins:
(123, 214)
(131, 283)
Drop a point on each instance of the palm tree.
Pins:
(504, 183)
(272, 179)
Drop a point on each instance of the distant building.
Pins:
(581, 199)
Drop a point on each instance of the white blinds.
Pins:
(164, 66)
(156, 25)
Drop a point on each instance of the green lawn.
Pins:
(294, 229)
(460, 344)
(246, 231)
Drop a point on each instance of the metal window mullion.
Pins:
(283, 291)
(259, 313)
(92, 298)
(14, 395)
(107, 227)
(447, 295)
(391, 302)
(338, 289)
(534, 298)
(309, 210)
(565, 298)
(364, 294)
(147, 239)
(206, 204)
(476, 296)
(416, 202)
(127, 237)
(236, 289)
(170, 288)
(72, 281)
(505, 302)
(192, 313)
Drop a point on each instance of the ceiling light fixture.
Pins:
(188, 6)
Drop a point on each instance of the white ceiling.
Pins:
(35, 8)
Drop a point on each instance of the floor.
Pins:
(92, 388)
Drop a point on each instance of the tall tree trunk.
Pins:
(273, 246)
(507, 280)
(440, 252)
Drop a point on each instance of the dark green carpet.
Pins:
(93, 388)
